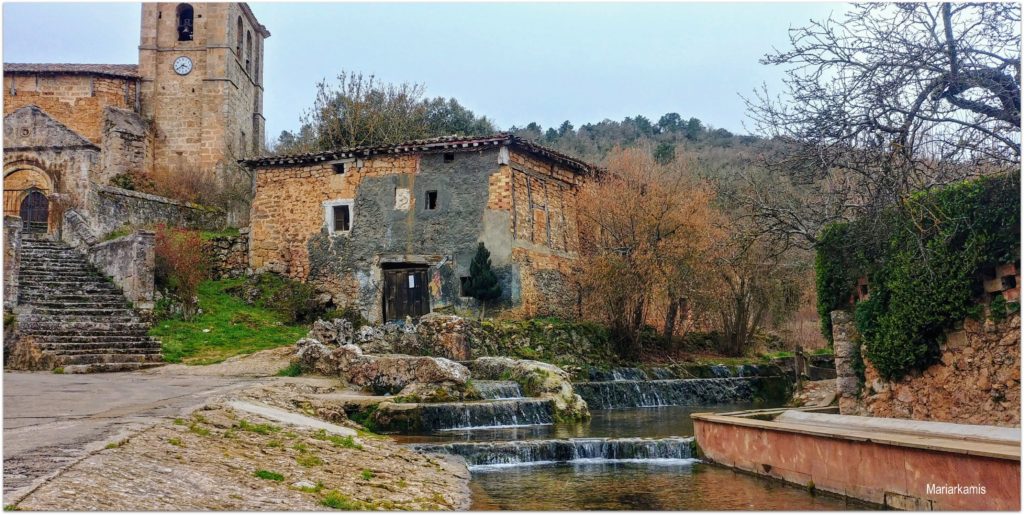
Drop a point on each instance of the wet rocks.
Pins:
(390, 373)
(332, 332)
(537, 379)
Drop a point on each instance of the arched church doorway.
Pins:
(35, 212)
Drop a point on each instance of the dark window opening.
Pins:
(464, 286)
(1009, 282)
(185, 29)
(342, 220)
(431, 200)
(339, 168)
(863, 289)
(449, 157)
(238, 39)
(248, 52)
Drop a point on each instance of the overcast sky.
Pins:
(515, 63)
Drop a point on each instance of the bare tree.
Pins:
(890, 99)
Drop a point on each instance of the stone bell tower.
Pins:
(202, 84)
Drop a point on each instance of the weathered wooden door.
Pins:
(405, 293)
(35, 211)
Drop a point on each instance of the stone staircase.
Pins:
(74, 313)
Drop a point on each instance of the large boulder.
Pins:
(444, 335)
(390, 373)
(537, 379)
(313, 356)
(332, 332)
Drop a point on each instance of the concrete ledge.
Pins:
(896, 470)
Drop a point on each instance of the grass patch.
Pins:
(340, 501)
(209, 235)
(266, 474)
(232, 328)
(120, 232)
(293, 370)
(199, 430)
(367, 475)
(176, 442)
(58, 370)
(308, 460)
(115, 445)
(263, 429)
(275, 444)
(347, 442)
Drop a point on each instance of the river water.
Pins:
(593, 466)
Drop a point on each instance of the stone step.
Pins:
(32, 326)
(104, 304)
(87, 342)
(92, 311)
(108, 367)
(86, 359)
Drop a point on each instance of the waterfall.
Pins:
(617, 374)
(667, 392)
(499, 390)
(490, 414)
(575, 450)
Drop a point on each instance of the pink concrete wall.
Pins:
(862, 469)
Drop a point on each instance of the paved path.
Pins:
(52, 420)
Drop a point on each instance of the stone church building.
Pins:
(194, 102)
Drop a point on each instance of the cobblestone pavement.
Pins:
(52, 420)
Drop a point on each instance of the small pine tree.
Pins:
(483, 284)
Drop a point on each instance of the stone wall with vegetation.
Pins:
(113, 208)
(227, 255)
(929, 320)
(976, 379)
(12, 260)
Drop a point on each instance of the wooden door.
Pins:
(405, 293)
(35, 212)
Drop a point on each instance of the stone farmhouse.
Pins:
(392, 229)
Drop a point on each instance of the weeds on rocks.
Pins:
(268, 475)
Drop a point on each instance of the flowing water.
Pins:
(628, 459)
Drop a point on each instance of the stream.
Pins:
(621, 459)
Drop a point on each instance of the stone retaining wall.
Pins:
(976, 379)
(111, 208)
(130, 262)
(228, 256)
(12, 260)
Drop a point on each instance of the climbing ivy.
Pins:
(923, 260)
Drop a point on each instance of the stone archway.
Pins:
(27, 194)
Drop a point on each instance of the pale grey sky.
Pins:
(514, 62)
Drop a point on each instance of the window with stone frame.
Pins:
(338, 216)
(248, 52)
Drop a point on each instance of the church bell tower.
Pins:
(202, 85)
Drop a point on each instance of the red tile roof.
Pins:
(130, 71)
(438, 144)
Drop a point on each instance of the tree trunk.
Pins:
(670, 319)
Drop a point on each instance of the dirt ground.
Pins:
(175, 439)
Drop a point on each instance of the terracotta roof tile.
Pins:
(114, 70)
(438, 144)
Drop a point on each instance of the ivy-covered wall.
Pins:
(925, 262)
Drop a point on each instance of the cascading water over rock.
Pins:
(576, 450)
(670, 392)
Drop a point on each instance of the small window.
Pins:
(463, 286)
(342, 219)
(449, 157)
(238, 38)
(339, 168)
(185, 28)
(431, 200)
(248, 52)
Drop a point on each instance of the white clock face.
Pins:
(182, 65)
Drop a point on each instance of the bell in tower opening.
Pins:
(184, 22)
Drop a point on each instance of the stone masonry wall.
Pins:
(129, 261)
(975, 381)
(228, 256)
(77, 101)
(12, 260)
(112, 208)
